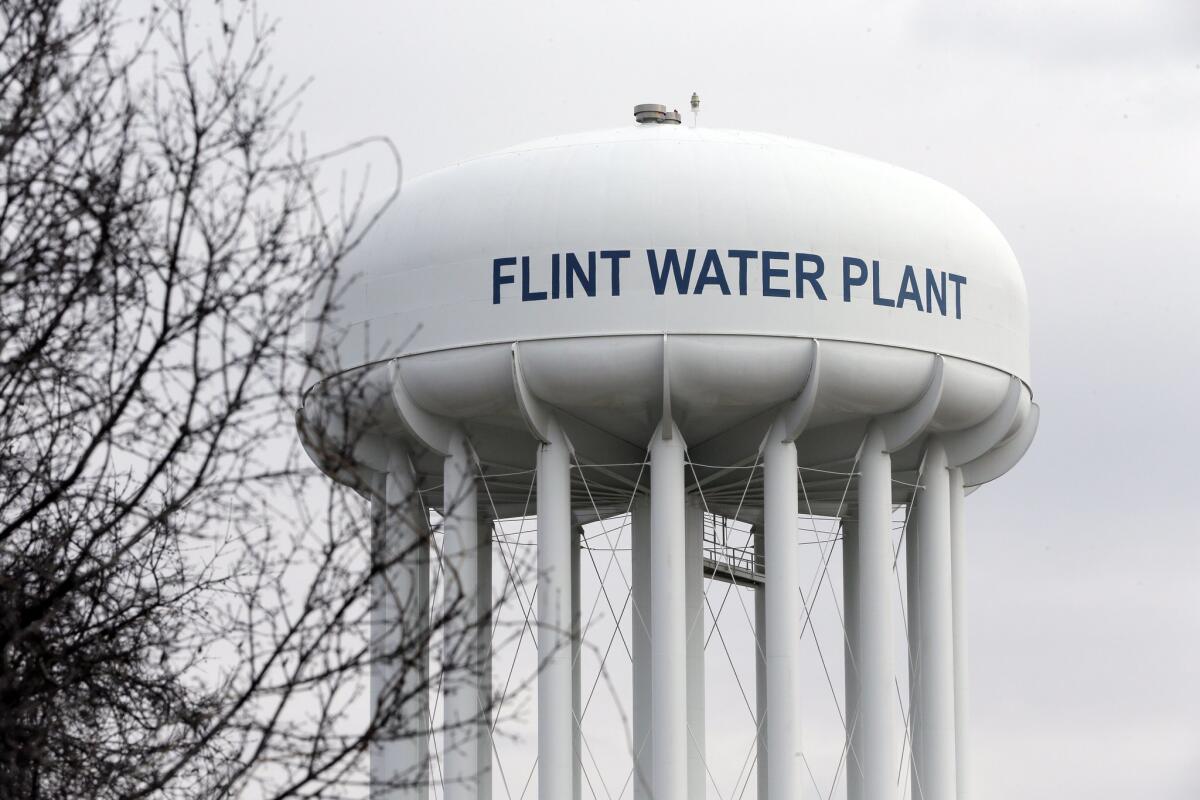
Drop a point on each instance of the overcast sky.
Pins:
(1075, 125)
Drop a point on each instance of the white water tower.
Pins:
(675, 311)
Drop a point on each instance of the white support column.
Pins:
(555, 601)
(854, 774)
(913, 596)
(958, 588)
(760, 664)
(694, 588)
(784, 617)
(399, 623)
(483, 654)
(643, 680)
(668, 614)
(576, 666)
(932, 640)
(466, 771)
(875, 646)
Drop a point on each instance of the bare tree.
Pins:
(182, 609)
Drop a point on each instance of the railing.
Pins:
(729, 553)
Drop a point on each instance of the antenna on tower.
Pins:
(695, 109)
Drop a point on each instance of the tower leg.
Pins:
(932, 640)
(913, 595)
(760, 664)
(958, 577)
(400, 606)
(784, 616)
(668, 615)
(483, 651)
(874, 644)
(694, 588)
(854, 773)
(555, 601)
(643, 678)
(466, 754)
(576, 668)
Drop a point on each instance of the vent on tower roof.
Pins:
(655, 113)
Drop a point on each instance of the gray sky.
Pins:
(1075, 125)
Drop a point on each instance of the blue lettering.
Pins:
(812, 278)
(857, 280)
(670, 264)
(879, 301)
(586, 280)
(932, 292)
(742, 256)
(571, 276)
(959, 281)
(767, 273)
(499, 279)
(527, 295)
(711, 273)
(908, 289)
(615, 256)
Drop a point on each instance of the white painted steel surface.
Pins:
(427, 270)
(482, 607)
(576, 676)
(525, 302)
(760, 666)
(958, 585)
(912, 597)
(399, 602)
(668, 610)
(466, 752)
(693, 564)
(555, 598)
(643, 677)
(850, 559)
(784, 614)
(931, 641)
(873, 635)
(431, 297)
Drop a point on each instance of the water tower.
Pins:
(663, 311)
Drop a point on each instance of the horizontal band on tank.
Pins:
(352, 353)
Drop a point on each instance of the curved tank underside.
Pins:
(723, 392)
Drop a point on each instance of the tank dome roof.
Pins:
(668, 229)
